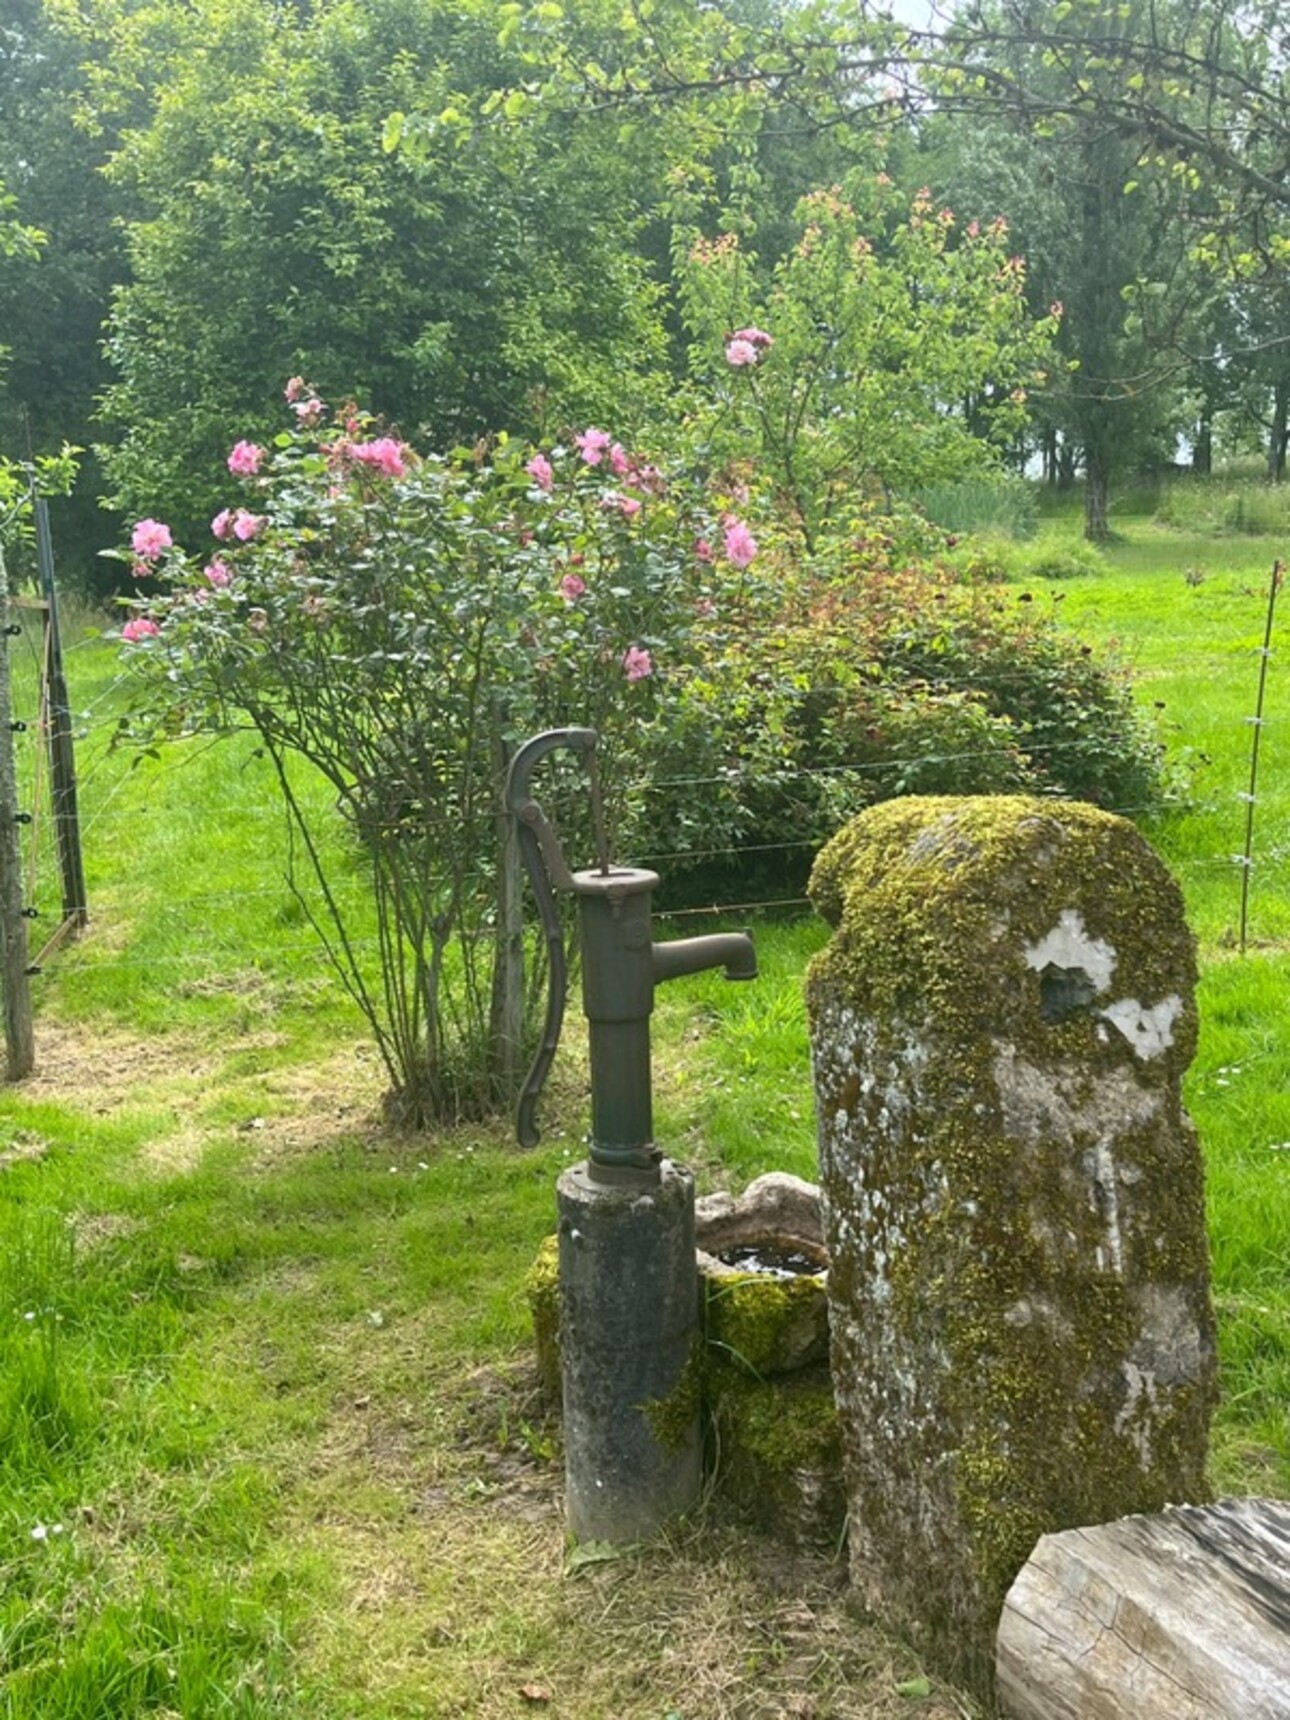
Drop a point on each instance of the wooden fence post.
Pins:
(62, 762)
(19, 1038)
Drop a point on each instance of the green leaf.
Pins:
(913, 1687)
(392, 131)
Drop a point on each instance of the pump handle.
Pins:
(548, 871)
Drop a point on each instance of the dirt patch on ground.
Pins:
(288, 1111)
(24, 1146)
(102, 1072)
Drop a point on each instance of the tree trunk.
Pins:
(1097, 500)
(1279, 434)
(1065, 469)
(1202, 448)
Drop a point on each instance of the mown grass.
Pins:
(270, 1443)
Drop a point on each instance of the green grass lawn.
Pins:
(270, 1443)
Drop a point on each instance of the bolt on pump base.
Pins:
(628, 1280)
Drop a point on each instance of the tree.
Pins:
(864, 340)
(492, 278)
(53, 302)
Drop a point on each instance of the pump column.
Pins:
(628, 1279)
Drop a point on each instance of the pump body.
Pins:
(628, 1280)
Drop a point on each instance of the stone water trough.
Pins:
(773, 1449)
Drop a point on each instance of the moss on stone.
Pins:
(542, 1289)
(933, 902)
(766, 1325)
(673, 1419)
(777, 1452)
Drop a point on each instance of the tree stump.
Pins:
(1182, 1616)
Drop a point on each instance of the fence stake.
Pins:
(1247, 856)
(62, 761)
(20, 1045)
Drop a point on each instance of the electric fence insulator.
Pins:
(31, 913)
(14, 630)
(18, 728)
(22, 818)
(34, 968)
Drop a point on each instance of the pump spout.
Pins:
(731, 950)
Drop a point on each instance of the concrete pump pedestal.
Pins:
(628, 1335)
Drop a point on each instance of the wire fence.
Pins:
(105, 782)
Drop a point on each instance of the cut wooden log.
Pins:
(1180, 1616)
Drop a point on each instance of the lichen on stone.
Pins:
(1013, 1187)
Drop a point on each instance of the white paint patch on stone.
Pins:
(1069, 945)
(1104, 1177)
(1148, 1031)
(1136, 1416)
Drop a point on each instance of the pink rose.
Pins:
(139, 627)
(702, 549)
(294, 389)
(741, 352)
(149, 538)
(592, 444)
(222, 524)
(539, 469)
(628, 506)
(217, 572)
(755, 337)
(571, 588)
(384, 454)
(308, 412)
(244, 461)
(619, 464)
(246, 525)
(740, 544)
(637, 663)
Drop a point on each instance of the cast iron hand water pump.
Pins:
(621, 965)
(628, 1280)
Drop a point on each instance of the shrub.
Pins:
(1049, 556)
(398, 621)
(901, 681)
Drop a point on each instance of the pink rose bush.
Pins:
(602, 559)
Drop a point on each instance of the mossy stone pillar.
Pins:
(1022, 1338)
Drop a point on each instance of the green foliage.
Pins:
(883, 680)
(884, 311)
(20, 480)
(1052, 555)
(485, 281)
